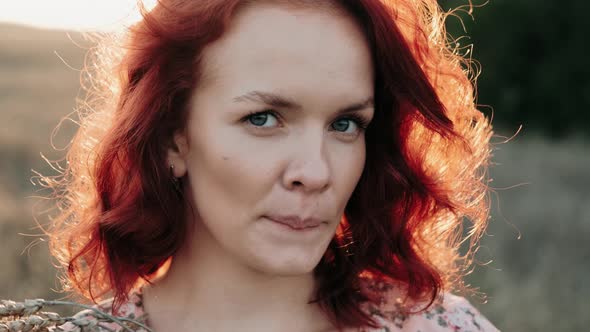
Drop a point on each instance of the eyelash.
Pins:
(361, 122)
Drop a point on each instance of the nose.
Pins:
(309, 168)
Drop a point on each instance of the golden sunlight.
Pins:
(82, 15)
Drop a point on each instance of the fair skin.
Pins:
(238, 270)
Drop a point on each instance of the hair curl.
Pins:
(428, 150)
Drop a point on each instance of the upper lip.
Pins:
(295, 221)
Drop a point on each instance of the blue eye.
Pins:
(258, 119)
(360, 122)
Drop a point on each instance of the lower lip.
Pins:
(298, 230)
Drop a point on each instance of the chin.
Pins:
(287, 266)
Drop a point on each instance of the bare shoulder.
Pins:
(95, 319)
(448, 313)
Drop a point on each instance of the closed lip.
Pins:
(295, 221)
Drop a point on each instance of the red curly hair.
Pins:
(424, 179)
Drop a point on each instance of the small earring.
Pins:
(175, 180)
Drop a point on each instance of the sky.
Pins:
(70, 14)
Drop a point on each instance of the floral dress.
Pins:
(448, 313)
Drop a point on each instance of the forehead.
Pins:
(286, 47)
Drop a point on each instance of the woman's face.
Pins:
(302, 157)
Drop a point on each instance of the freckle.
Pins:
(225, 158)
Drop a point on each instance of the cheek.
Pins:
(229, 173)
(349, 165)
(357, 169)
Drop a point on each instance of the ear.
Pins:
(177, 153)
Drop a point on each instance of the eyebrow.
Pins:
(279, 101)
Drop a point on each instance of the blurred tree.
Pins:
(533, 56)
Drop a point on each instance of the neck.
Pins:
(206, 290)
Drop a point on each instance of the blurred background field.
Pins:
(533, 75)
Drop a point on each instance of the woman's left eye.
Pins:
(260, 119)
(344, 123)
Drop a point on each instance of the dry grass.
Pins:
(538, 282)
(27, 316)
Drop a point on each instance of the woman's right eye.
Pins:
(258, 119)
